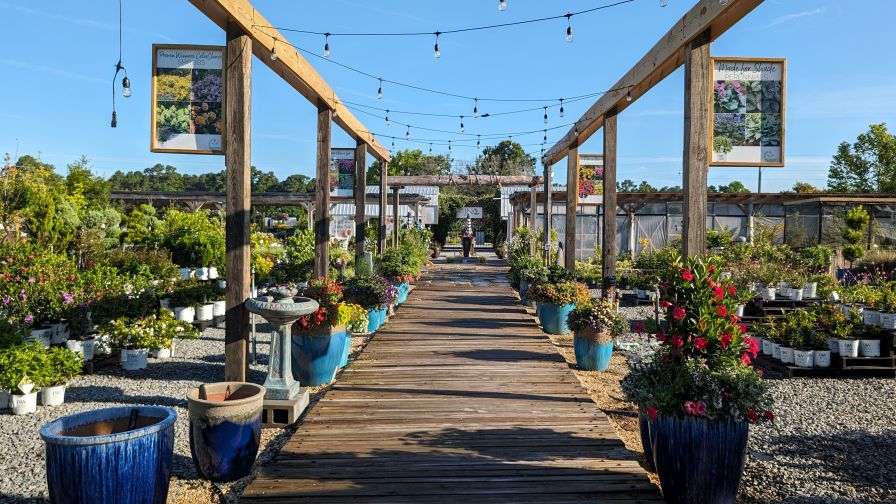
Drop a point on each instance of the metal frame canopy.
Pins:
(291, 66)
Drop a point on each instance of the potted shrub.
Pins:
(81, 339)
(215, 294)
(186, 301)
(797, 284)
(59, 365)
(821, 353)
(595, 323)
(556, 301)
(132, 339)
(318, 338)
(833, 326)
(887, 306)
(18, 365)
(532, 273)
(357, 324)
(375, 294)
(163, 329)
(698, 390)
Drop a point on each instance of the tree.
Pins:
(804, 188)
(411, 163)
(506, 158)
(294, 183)
(88, 191)
(734, 187)
(12, 197)
(628, 185)
(263, 181)
(868, 165)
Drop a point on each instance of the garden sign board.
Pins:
(471, 212)
(342, 172)
(747, 115)
(591, 177)
(187, 99)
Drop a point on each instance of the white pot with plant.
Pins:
(786, 354)
(42, 335)
(212, 273)
(202, 273)
(58, 333)
(721, 146)
(768, 346)
(803, 357)
(220, 308)
(58, 367)
(86, 348)
(21, 362)
(205, 312)
(186, 273)
(185, 314)
(848, 347)
(810, 290)
(822, 358)
(869, 347)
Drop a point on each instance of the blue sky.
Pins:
(56, 87)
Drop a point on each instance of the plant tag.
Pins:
(835, 296)
(25, 385)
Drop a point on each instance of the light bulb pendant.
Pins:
(475, 108)
(502, 5)
(568, 27)
(477, 142)
(114, 119)
(561, 107)
(545, 139)
(628, 96)
(449, 146)
(664, 3)
(326, 45)
(575, 130)
(545, 115)
(126, 87)
(461, 124)
(438, 51)
(430, 149)
(274, 51)
(407, 135)
(379, 91)
(387, 117)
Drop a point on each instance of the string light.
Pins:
(502, 5)
(438, 51)
(387, 117)
(126, 86)
(477, 142)
(561, 107)
(545, 139)
(664, 3)
(568, 27)
(430, 149)
(393, 142)
(575, 131)
(449, 147)
(274, 51)
(125, 82)
(461, 124)
(326, 45)
(379, 91)
(545, 115)
(475, 108)
(407, 134)
(628, 96)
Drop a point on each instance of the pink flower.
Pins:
(29, 319)
(639, 327)
(718, 292)
(726, 340)
(31, 280)
(678, 313)
(745, 359)
(732, 290)
(753, 343)
(700, 343)
(722, 311)
(687, 276)
(665, 304)
(71, 278)
(743, 328)
(695, 408)
(651, 412)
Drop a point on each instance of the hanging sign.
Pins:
(471, 212)
(187, 99)
(747, 114)
(591, 178)
(342, 172)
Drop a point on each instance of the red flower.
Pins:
(753, 343)
(769, 416)
(665, 304)
(661, 336)
(695, 408)
(678, 313)
(743, 328)
(639, 327)
(722, 311)
(735, 319)
(700, 343)
(726, 340)
(732, 290)
(651, 412)
(718, 292)
(687, 276)
(752, 416)
(745, 359)
(676, 341)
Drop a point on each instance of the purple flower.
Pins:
(29, 319)
(6, 300)
(31, 280)
(23, 295)
(67, 298)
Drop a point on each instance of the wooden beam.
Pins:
(459, 180)
(396, 220)
(360, 199)
(659, 62)
(384, 194)
(608, 247)
(572, 200)
(237, 160)
(291, 66)
(547, 215)
(533, 215)
(697, 71)
(322, 200)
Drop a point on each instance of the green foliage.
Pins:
(600, 315)
(57, 366)
(411, 162)
(11, 333)
(506, 158)
(559, 293)
(298, 258)
(856, 220)
(195, 239)
(868, 165)
(18, 362)
(153, 332)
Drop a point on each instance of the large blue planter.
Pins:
(375, 319)
(524, 290)
(404, 289)
(553, 317)
(644, 428)
(225, 432)
(698, 461)
(591, 355)
(93, 459)
(346, 348)
(316, 355)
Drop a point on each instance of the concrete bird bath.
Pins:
(284, 399)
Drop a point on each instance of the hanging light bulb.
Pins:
(126, 87)
(438, 51)
(461, 124)
(379, 91)
(326, 45)
(664, 3)
(475, 108)
(628, 96)
(502, 5)
(393, 142)
(545, 139)
(387, 117)
(274, 51)
(477, 142)
(568, 27)
(114, 119)
(561, 107)
(449, 146)
(430, 149)
(407, 134)
(575, 130)
(545, 115)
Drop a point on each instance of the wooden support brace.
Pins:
(572, 200)
(608, 250)
(322, 194)
(697, 71)
(360, 199)
(384, 195)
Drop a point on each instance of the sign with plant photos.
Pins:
(747, 114)
(342, 172)
(187, 99)
(591, 178)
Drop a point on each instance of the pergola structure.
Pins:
(686, 43)
(248, 33)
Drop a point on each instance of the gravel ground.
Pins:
(165, 383)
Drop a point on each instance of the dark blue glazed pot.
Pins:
(553, 317)
(93, 459)
(592, 355)
(346, 348)
(524, 290)
(225, 429)
(316, 355)
(698, 461)
(644, 427)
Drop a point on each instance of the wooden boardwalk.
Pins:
(460, 398)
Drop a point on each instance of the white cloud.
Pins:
(793, 17)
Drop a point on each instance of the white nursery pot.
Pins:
(768, 293)
(739, 310)
(776, 351)
(58, 333)
(803, 358)
(165, 303)
(220, 308)
(23, 404)
(888, 320)
(796, 295)
(833, 346)
(52, 396)
(871, 317)
(202, 273)
(102, 346)
(767, 346)
(133, 360)
(212, 273)
(43, 335)
(205, 312)
(222, 284)
(810, 290)
(186, 273)
(848, 348)
(4, 399)
(185, 314)
(163, 353)
(869, 348)
(822, 358)
(784, 292)
(86, 348)
(786, 355)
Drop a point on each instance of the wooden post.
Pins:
(322, 195)
(608, 248)
(697, 71)
(384, 173)
(396, 220)
(547, 215)
(572, 200)
(237, 160)
(632, 233)
(750, 223)
(360, 199)
(533, 215)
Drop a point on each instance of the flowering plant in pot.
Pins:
(19, 364)
(698, 390)
(58, 366)
(375, 294)
(318, 338)
(556, 301)
(595, 324)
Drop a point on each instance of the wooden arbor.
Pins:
(686, 43)
(248, 33)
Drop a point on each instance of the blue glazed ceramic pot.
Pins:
(316, 355)
(698, 461)
(92, 457)
(593, 350)
(375, 319)
(553, 317)
(404, 289)
(346, 348)
(644, 427)
(225, 429)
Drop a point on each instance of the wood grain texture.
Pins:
(237, 160)
(322, 194)
(697, 72)
(360, 198)
(608, 247)
(460, 397)
(396, 219)
(547, 215)
(572, 200)
(533, 216)
(384, 194)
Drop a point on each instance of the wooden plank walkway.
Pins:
(460, 397)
